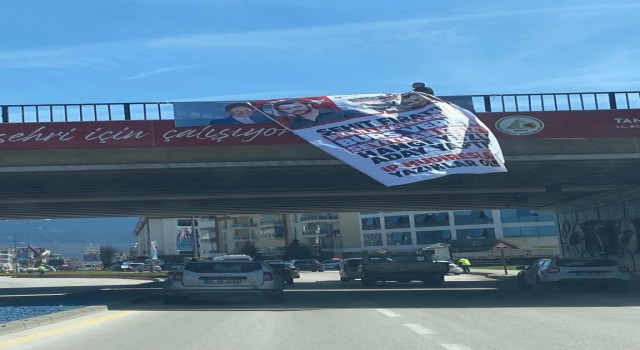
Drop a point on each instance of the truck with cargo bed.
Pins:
(403, 268)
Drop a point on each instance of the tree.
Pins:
(295, 250)
(107, 253)
(248, 248)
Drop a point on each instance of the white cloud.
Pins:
(310, 40)
(158, 71)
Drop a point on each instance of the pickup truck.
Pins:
(403, 268)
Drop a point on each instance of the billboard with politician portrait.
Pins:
(395, 138)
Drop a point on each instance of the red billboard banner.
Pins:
(164, 133)
(563, 124)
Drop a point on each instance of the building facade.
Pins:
(345, 234)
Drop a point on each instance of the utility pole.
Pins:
(15, 253)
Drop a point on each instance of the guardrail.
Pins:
(164, 110)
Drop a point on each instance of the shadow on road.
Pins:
(454, 294)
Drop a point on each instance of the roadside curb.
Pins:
(29, 323)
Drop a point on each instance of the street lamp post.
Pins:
(15, 253)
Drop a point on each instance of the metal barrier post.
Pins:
(5, 114)
(487, 103)
(612, 101)
(127, 111)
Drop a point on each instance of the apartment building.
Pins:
(472, 232)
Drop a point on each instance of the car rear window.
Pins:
(277, 266)
(352, 263)
(586, 263)
(222, 266)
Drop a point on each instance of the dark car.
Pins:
(59, 264)
(283, 271)
(294, 269)
(312, 265)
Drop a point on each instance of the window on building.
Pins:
(431, 237)
(187, 222)
(399, 238)
(396, 221)
(475, 233)
(473, 217)
(431, 220)
(525, 215)
(372, 239)
(370, 223)
(530, 231)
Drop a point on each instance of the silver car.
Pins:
(573, 272)
(454, 269)
(222, 278)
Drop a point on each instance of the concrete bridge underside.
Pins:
(297, 178)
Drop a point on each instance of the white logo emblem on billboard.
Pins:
(520, 125)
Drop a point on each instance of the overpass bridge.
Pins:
(129, 159)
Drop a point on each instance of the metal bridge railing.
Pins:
(164, 110)
(557, 101)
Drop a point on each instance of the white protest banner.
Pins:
(394, 138)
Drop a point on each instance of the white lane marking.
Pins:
(31, 295)
(456, 347)
(419, 329)
(388, 313)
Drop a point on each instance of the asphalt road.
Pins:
(470, 312)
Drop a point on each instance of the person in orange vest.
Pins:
(465, 264)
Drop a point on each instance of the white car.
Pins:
(47, 268)
(145, 268)
(454, 269)
(574, 272)
(223, 278)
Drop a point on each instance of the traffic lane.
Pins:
(9, 282)
(464, 291)
(230, 329)
(535, 327)
(365, 324)
(91, 290)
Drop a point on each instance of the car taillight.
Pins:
(176, 276)
(267, 276)
(553, 269)
(624, 269)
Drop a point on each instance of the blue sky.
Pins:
(180, 50)
(166, 50)
(69, 236)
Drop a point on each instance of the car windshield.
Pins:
(352, 263)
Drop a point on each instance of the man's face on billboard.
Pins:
(413, 101)
(241, 111)
(295, 108)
